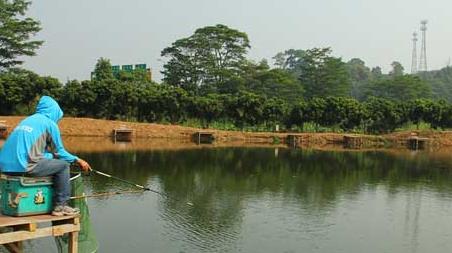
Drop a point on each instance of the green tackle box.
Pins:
(22, 196)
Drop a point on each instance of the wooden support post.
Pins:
(73, 242)
(294, 140)
(14, 247)
(418, 143)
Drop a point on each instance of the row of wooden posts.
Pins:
(123, 134)
(293, 140)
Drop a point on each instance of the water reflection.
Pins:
(243, 197)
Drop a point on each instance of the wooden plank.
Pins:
(40, 232)
(28, 227)
(123, 130)
(7, 221)
(48, 218)
(12, 221)
(73, 242)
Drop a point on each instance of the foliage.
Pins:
(397, 69)
(359, 75)
(246, 108)
(19, 90)
(297, 115)
(274, 111)
(347, 113)
(383, 115)
(208, 108)
(211, 56)
(210, 83)
(15, 33)
(440, 82)
(290, 60)
(400, 88)
(266, 82)
(102, 70)
(323, 75)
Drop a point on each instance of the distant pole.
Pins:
(414, 55)
(423, 60)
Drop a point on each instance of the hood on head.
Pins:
(48, 107)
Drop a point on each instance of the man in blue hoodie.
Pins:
(35, 148)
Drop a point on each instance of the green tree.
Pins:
(397, 69)
(347, 113)
(163, 103)
(102, 70)
(377, 74)
(211, 56)
(268, 83)
(383, 115)
(400, 88)
(298, 115)
(20, 89)
(315, 111)
(208, 108)
(290, 60)
(445, 119)
(246, 109)
(440, 82)
(16, 32)
(274, 111)
(360, 75)
(70, 98)
(323, 75)
(426, 110)
(135, 75)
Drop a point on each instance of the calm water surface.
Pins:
(273, 200)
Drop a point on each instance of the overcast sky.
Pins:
(77, 33)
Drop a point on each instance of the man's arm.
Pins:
(55, 136)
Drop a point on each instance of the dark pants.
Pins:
(59, 170)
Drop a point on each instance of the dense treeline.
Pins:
(151, 102)
(207, 78)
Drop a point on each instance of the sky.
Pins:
(77, 33)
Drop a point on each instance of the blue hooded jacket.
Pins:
(35, 138)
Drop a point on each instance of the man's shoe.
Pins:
(65, 210)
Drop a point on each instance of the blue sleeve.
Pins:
(58, 142)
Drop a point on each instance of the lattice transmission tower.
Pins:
(423, 59)
(414, 55)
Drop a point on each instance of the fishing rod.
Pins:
(127, 182)
(103, 194)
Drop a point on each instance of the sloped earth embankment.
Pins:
(86, 127)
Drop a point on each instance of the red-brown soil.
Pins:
(165, 135)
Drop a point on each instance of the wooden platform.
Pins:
(353, 141)
(417, 143)
(122, 134)
(294, 140)
(203, 137)
(19, 229)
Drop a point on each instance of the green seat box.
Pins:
(22, 196)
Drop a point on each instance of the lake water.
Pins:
(271, 200)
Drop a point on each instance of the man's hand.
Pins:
(84, 166)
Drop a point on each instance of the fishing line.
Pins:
(131, 183)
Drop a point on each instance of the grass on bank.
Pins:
(308, 127)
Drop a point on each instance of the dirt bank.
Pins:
(103, 128)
